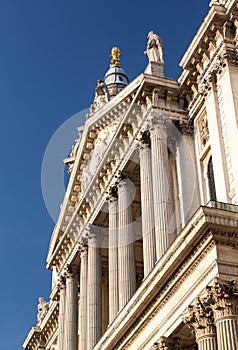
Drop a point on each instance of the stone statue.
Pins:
(43, 308)
(101, 96)
(154, 49)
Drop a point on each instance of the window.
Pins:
(211, 182)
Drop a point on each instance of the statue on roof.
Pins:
(43, 308)
(115, 55)
(154, 49)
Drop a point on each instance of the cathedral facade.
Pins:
(145, 251)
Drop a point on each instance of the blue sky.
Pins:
(52, 53)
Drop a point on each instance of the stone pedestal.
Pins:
(113, 257)
(71, 309)
(147, 207)
(126, 260)
(94, 297)
(155, 68)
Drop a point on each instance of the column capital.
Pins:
(199, 317)
(224, 298)
(61, 283)
(185, 127)
(83, 246)
(144, 139)
(165, 343)
(94, 235)
(112, 194)
(71, 271)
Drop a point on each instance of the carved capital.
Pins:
(112, 194)
(199, 317)
(186, 127)
(94, 235)
(144, 138)
(61, 283)
(83, 246)
(165, 343)
(71, 271)
(224, 299)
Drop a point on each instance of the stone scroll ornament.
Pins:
(154, 49)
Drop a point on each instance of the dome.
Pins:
(116, 75)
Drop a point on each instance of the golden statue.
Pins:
(115, 54)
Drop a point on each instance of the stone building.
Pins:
(145, 251)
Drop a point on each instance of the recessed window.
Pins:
(211, 181)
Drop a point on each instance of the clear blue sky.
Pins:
(52, 53)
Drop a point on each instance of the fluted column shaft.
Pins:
(94, 297)
(161, 195)
(62, 295)
(126, 260)
(113, 258)
(83, 297)
(71, 310)
(207, 342)
(227, 333)
(147, 209)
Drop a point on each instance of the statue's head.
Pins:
(41, 300)
(150, 34)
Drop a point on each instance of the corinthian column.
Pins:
(147, 205)
(71, 309)
(199, 317)
(161, 188)
(126, 260)
(225, 309)
(94, 297)
(83, 294)
(113, 254)
(62, 290)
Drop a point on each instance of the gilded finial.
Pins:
(115, 55)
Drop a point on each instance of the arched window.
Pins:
(211, 181)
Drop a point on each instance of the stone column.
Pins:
(160, 177)
(94, 297)
(147, 204)
(71, 309)
(199, 317)
(83, 294)
(225, 309)
(62, 291)
(113, 254)
(126, 260)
